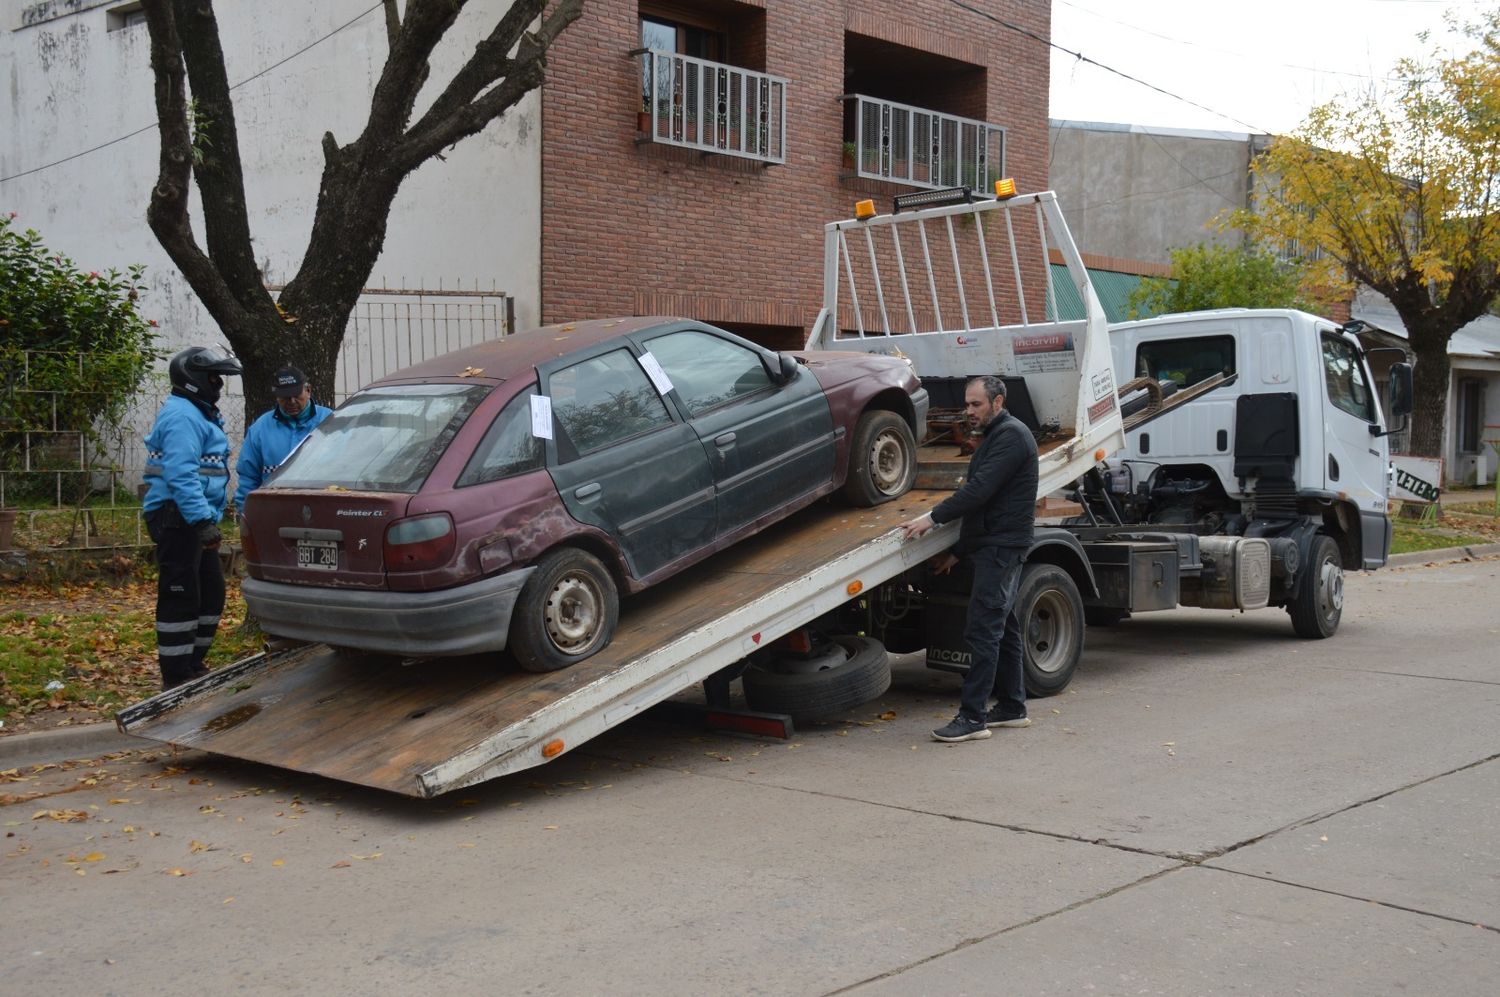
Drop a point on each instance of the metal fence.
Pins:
(79, 487)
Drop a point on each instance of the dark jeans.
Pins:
(993, 633)
(189, 596)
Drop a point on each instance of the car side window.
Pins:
(706, 370)
(508, 448)
(1347, 388)
(601, 401)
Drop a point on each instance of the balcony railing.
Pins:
(712, 107)
(924, 148)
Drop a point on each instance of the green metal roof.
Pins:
(1113, 289)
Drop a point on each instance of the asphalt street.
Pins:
(1214, 806)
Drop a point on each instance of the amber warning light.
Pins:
(864, 209)
(552, 748)
(1005, 188)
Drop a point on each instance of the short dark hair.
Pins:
(993, 385)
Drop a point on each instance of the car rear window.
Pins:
(382, 439)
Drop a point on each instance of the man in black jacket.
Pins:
(997, 503)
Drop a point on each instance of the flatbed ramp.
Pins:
(435, 726)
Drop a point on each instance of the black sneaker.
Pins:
(961, 729)
(996, 718)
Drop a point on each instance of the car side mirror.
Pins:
(1399, 393)
(780, 368)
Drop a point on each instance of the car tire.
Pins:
(856, 672)
(1319, 603)
(567, 610)
(882, 459)
(1051, 614)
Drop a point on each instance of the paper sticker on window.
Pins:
(658, 376)
(541, 417)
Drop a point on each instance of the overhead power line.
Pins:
(247, 80)
(1095, 62)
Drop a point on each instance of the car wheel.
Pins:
(882, 459)
(1319, 603)
(567, 611)
(850, 672)
(1051, 614)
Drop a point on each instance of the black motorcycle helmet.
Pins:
(200, 371)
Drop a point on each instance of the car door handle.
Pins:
(587, 491)
(724, 439)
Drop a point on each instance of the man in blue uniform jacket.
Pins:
(187, 487)
(271, 438)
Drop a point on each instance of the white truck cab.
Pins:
(1295, 432)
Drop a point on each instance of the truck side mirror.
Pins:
(1400, 389)
(1398, 399)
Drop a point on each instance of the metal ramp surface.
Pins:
(435, 725)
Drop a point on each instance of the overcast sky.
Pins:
(1254, 66)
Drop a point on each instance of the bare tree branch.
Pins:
(457, 113)
(168, 212)
(216, 154)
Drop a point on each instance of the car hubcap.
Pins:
(574, 609)
(888, 462)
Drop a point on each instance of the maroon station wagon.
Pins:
(501, 496)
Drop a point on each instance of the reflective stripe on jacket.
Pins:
(187, 461)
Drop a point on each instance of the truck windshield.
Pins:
(382, 439)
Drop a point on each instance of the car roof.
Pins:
(520, 352)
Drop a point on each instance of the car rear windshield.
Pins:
(382, 439)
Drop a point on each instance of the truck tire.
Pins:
(567, 610)
(882, 459)
(1319, 602)
(857, 672)
(1051, 614)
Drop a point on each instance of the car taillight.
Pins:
(247, 542)
(419, 543)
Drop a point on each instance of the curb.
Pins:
(62, 743)
(1443, 555)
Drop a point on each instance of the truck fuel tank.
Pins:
(1236, 574)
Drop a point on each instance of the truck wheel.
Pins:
(1319, 602)
(855, 671)
(882, 459)
(567, 610)
(1051, 614)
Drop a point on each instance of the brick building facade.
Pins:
(646, 222)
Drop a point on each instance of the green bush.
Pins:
(74, 349)
(1205, 276)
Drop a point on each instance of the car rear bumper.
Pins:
(462, 620)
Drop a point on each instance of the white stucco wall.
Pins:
(472, 219)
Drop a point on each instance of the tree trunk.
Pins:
(1430, 390)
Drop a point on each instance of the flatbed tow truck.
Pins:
(424, 731)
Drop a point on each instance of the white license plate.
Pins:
(320, 554)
